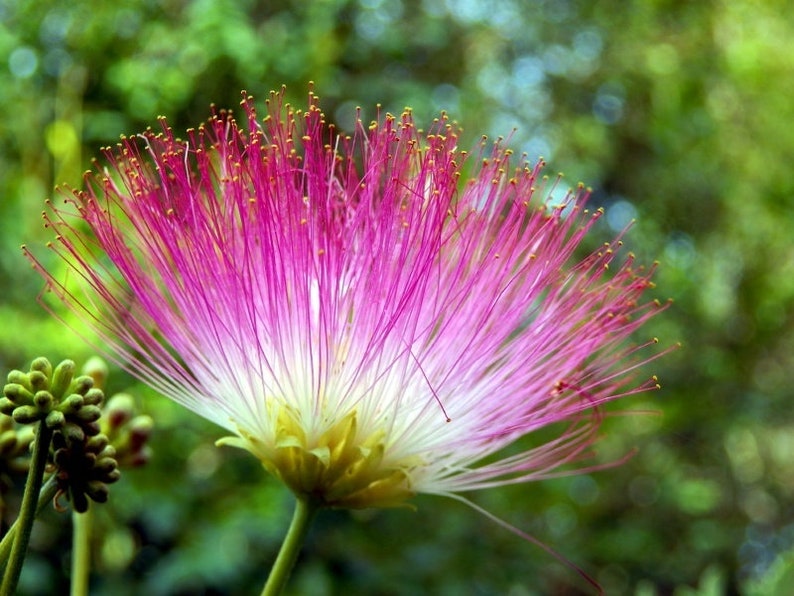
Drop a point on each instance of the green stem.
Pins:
(48, 492)
(81, 551)
(298, 528)
(27, 512)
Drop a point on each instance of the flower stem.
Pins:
(48, 492)
(81, 551)
(27, 512)
(299, 527)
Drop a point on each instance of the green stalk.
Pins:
(293, 541)
(81, 551)
(48, 492)
(27, 512)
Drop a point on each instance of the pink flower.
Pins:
(372, 316)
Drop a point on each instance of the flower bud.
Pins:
(18, 394)
(91, 428)
(41, 365)
(62, 379)
(97, 444)
(72, 404)
(97, 369)
(140, 430)
(73, 433)
(105, 466)
(8, 441)
(79, 501)
(61, 458)
(38, 381)
(43, 400)
(55, 419)
(88, 414)
(17, 377)
(97, 490)
(119, 410)
(7, 406)
(82, 385)
(94, 396)
(26, 414)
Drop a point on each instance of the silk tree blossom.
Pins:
(372, 316)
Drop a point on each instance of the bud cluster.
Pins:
(84, 468)
(127, 432)
(69, 405)
(55, 397)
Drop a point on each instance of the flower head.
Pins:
(372, 316)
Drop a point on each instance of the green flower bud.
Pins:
(62, 378)
(8, 442)
(7, 406)
(83, 385)
(97, 490)
(89, 414)
(97, 444)
(43, 401)
(108, 451)
(18, 394)
(73, 433)
(55, 419)
(105, 466)
(26, 414)
(41, 365)
(17, 377)
(72, 404)
(38, 381)
(94, 396)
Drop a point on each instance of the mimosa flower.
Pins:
(372, 316)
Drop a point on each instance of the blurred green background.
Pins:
(677, 113)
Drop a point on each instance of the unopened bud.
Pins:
(119, 410)
(140, 430)
(89, 414)
(55, 419)
(8, 441)
(17, 377)
(72, 404)
(26, 414)
(7, 407)
(62, 379)
(79, 501)
(19, 394)
(98, 370)
(43, 400)
(41, 365)
(105, 466)
(97, 444)
(97, 490)
(83, 385)
(94, 396)
(72, 433)
(38, 381)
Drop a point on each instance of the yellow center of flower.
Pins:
(342, 467)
